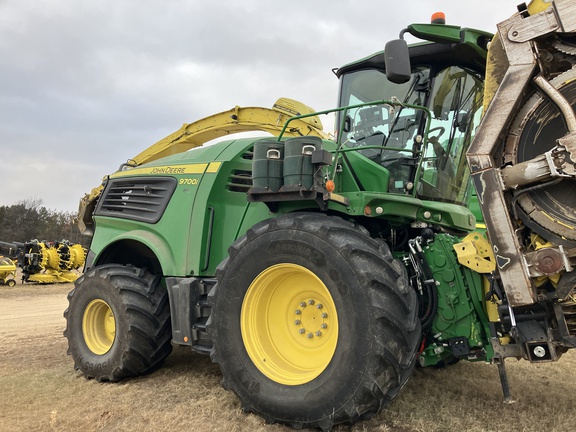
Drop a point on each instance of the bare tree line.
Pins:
(29, 219)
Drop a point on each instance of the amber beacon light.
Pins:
(438, 18)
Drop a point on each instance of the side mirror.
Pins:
(397, 61)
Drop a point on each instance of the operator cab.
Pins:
(418, 127)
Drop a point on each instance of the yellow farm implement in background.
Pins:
(44, 262)
(41, 261)
(7, 272)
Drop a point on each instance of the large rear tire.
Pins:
(118, 323)
(313, 322)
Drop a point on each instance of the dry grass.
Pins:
(39, 391)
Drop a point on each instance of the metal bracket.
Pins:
(568, 143)
(534, 26)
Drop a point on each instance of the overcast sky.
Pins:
(85, 85)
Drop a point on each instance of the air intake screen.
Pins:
(141, 199)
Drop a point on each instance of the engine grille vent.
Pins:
(249, 154)
(239, 181)
(141, 199)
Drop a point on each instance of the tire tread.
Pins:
(393, 311)
(145, 307)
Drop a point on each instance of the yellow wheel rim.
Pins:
(289, 324)
(98, 326)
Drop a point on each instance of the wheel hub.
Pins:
(99, 326)
(289, 324)
(310, 319)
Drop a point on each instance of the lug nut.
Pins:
(318, 333)
(310, 302)
(319, 306)
(301, 331)
(297, 322)
(324, 315)
(298, 312)
(303, 304)
(324, 326)
(309, 335)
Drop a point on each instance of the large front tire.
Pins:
(118, 323)
(313, 322)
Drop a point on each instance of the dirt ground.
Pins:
(39, 390)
